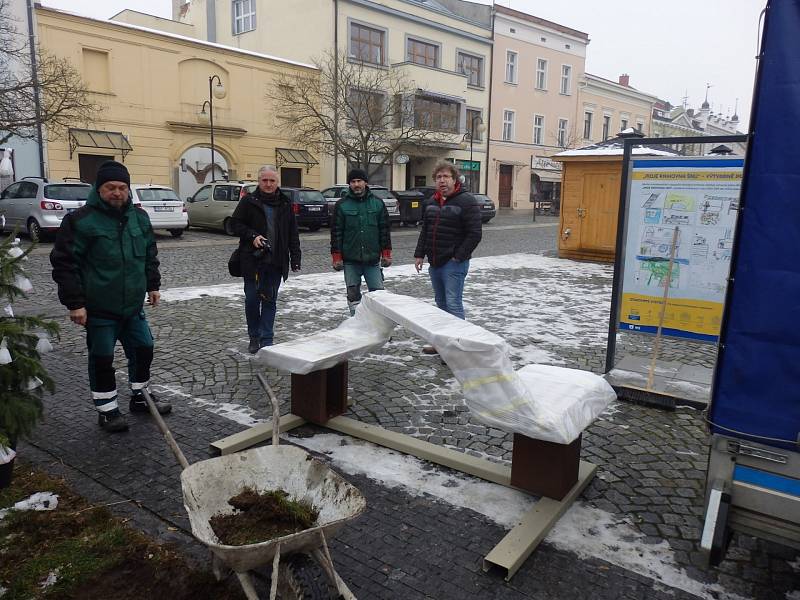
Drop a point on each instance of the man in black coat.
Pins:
(451, 230)
(269, 244)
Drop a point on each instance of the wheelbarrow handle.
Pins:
(165, 430)
(276, 409)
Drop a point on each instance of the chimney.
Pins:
(624, 79)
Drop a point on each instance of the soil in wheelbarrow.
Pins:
(262, 516)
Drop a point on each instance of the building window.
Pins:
(435, 114)
(541, 74)
(367, 44)
(587, 125)
(508, 125)
(472, 67)
(538, 129)
(623, 124)
(511, 67)
(95, 70)
(367, 109)
(422, 53)
(566, 77)
(474, 116)
(244, 16)
(640, 126)
(606, 126)
(562, 132)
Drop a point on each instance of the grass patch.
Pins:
(87, 552)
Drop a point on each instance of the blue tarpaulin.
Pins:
(757, 381)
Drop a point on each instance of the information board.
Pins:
(700, 197)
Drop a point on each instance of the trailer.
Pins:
(753, 483)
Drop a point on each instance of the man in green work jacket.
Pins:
(104, 260)
(360, 238)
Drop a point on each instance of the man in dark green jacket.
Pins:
(104, 261)
(360, 238)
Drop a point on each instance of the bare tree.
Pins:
(363, 113)
(64, 100)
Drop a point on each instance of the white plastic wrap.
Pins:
(548, 403)
(365, 332)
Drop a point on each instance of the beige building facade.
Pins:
(535, 87)
(608, 107)
(153, 85)
(443, 48)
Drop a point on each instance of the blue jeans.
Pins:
(260, 305)
(448, 286)
(353, 271)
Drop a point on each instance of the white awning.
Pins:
(547, 175)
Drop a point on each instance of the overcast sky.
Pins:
(668, 49)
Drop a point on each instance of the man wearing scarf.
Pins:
(451, 230)
(269, 244)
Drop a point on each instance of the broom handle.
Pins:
(657, 345)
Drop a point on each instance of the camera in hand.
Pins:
(263, 250)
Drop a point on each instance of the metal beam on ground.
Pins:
(518, 544)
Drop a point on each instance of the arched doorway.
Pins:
(195, 169)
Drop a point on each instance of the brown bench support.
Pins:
(320, 395)
(545, 468)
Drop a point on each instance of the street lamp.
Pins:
(470, 135)
(207, 118)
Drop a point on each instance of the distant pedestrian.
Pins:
(269, 244)
(451, 230)
(104, 261)
(361, 241)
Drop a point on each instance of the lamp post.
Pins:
(204, 117)
(470, 135)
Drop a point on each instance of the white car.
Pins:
(165, 209)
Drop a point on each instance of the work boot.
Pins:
(113, 422)
(428, 349)
(254, 346)
(139, 404)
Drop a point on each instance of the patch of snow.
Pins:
(51, 579)
(39, 501)
(583, 530)
(235, 412)
(795, 564)
(793, 595)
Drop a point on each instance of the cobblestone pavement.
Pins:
(649, 485)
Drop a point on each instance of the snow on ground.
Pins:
(545, 304)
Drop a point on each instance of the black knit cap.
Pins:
(357, 174)
(111, 170)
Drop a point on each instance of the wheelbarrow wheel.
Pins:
(301, 578)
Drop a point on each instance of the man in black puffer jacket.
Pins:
(451, 230)
(268, 244)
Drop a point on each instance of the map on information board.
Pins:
(700, 198)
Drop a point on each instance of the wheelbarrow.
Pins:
(207, 485)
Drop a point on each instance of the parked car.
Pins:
(488, 210)
(162, 205)
(213, 204)
(37, 206)
(309, 206)
(332, 195)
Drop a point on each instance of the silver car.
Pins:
(213, 204)
(37, 206)
(162, 205)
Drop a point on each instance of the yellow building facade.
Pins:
(153, 85)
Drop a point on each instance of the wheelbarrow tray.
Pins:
(209, 484)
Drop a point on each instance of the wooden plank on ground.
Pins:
(254, 435)
(479, 467)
